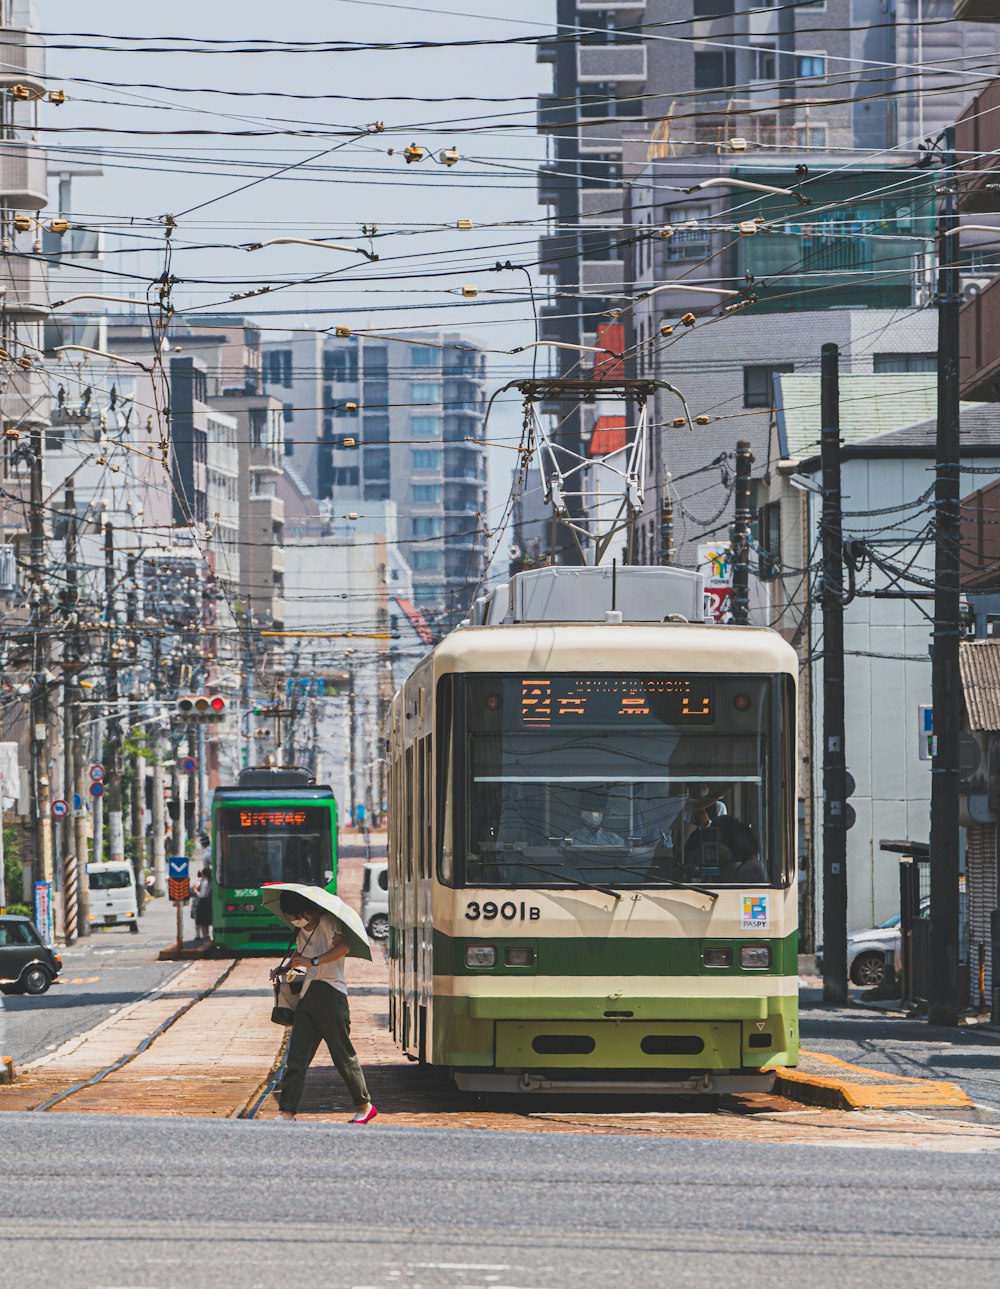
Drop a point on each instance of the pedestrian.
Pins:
(323, 1013)
(203, 905)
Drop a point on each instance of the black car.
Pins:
(27, 966)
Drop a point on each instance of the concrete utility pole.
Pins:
(44, 869)
(74, 864)
(113, 779)
(944, 1003)
(741, 536)
(138, 802)
(667, 553)
(834, 762)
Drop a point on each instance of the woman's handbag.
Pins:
(287, 987)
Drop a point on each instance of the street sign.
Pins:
(928, 743)
(60, 809)
(77, 801)
(178, 890)
(97, 788)
(178, 867)
(96, 772)
(189, 765)
(178, 883)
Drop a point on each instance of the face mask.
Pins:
(593, 818)
(298, 921)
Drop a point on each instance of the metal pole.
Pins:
(116, 824)
(667, 553)
(741, 536)
(43, 859)
(834, 762)
(946, 691)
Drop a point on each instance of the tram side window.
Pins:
(411, 821)
(444, 796)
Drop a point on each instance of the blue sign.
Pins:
(189, 765)
(177, 867)
(77, 801)
(97, 789)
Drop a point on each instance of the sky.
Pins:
(145, 177)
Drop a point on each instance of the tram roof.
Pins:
(312, 792)
(615, 647)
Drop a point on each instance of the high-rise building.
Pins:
(370, 420)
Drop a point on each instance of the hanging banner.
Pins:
(43, 913)
(715, 563)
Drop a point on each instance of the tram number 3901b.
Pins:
(509, 911)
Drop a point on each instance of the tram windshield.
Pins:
(622, 780)
(257, 844)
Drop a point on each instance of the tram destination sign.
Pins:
(273, 818)
(548, 702)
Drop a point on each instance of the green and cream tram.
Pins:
(591, 844)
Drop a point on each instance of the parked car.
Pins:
(867, 949)
(27, 966)
(375, 900)
(113, 898)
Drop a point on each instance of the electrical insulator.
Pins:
(59, 225)
(22, 223)
(679, 422)
(414, 153)
(689, 319)
(666, 330)
(449, 156)
(57, 97)
(469, 291)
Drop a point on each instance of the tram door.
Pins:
(425, 924)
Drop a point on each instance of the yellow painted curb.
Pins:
(898, 1091)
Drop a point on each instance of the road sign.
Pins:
(96, 772)
(97, 788)
(189, 765)
(77, 801)
(60, 809)
(178, 890)
(178, 867)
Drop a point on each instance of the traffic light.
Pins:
(201, 707)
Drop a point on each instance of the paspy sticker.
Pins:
(756, 913)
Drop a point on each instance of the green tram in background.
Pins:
(592, 845)
(274, 826)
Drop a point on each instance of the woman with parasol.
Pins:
(326, 934)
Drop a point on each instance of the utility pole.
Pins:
(74, 860)
(138, 760)
(42, 858)
(741, 536)
(116, 824)
(946, 691)
(667, 553)
(834, 759)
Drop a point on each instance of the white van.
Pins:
(113, 899)
(375, 900)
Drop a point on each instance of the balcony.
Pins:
(977, 10)
(977, 140)
(615, 64)
(598, 277)
(601, 205)
(617, 7)
(22, 59)
(979, 346)
(23, 176)
(25, 289)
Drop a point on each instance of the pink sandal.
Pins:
(366, 1118)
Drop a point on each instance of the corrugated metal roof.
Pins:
(980, 664)
(870, 405)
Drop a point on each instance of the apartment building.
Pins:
(370, 420)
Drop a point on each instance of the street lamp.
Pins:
(726, 181)
(683, 286)
(100, 353)
(308, 241)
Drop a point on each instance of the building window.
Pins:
(287, 412)
(904, 362)
(769, 541)
(714, 70)
(426, 458)
(427, 494)
(427, 526)
(278, 367)
(376, 463)
(340, 364)
(346, 476)
(426, 427)
(424, 356)
(376, 429)
(427, 561)
(687, 243)
(258, 426)
(425, 392)
(713, 8)
(811, 65)
(376, 360)
(758, 383)
(764, 62)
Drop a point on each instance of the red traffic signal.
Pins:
(201, 707)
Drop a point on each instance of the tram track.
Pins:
(140, 1048)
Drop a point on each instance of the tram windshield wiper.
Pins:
(669, 881)
(579, 883)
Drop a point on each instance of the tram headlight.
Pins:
(717, 957)
(480, 955)
(755, 957)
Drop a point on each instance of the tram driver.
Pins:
(593, 807)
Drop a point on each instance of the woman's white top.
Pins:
(312, 943)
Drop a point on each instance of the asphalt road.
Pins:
(95, 1203)
(913, 1048)
(101, 974)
